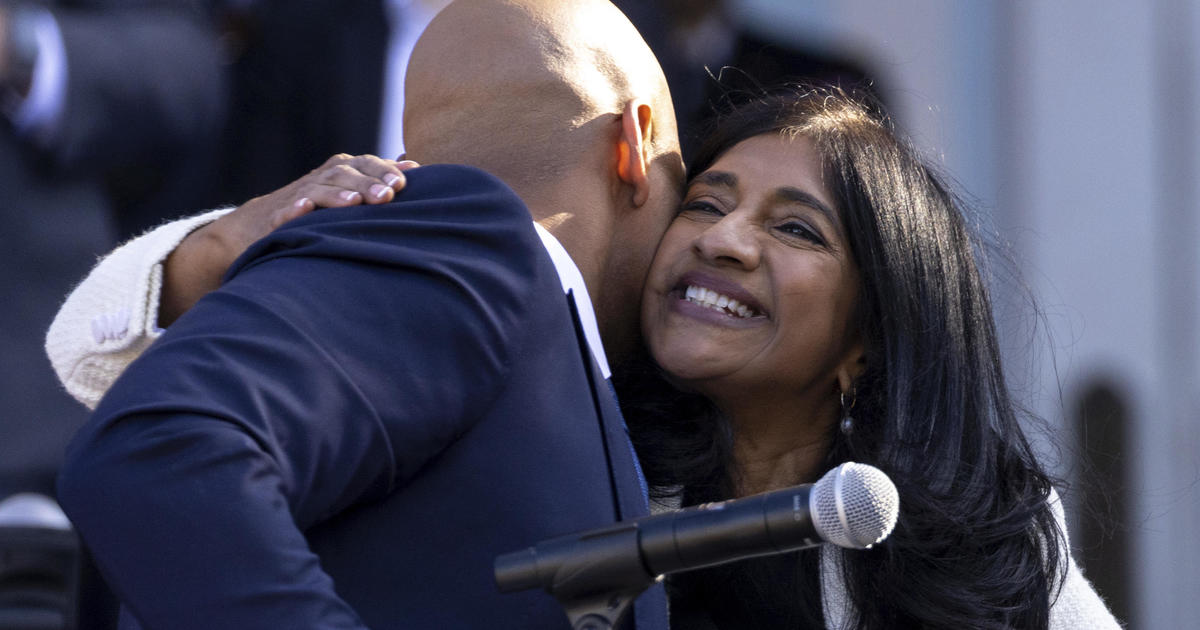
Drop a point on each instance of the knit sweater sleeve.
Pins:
(112, 315)
(1078, 604)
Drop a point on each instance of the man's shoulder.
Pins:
(447, 215)
(460, 184)
(450, 196)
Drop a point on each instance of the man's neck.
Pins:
(586, 246)
(574, 210)
(581, 223)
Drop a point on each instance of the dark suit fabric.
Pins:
(377, 402)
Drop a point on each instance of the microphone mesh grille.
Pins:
(868, 508)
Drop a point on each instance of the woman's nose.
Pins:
(730, 241)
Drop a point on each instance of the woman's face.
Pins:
(753, 289)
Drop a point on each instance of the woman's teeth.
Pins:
(718, 302)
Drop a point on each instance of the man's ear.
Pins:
(633, 148)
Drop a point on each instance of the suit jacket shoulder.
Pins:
(403, 316)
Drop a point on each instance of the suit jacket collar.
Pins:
(628, 498)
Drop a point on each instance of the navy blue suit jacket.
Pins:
(377, 402)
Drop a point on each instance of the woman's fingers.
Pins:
(375, 179)
(344, 194)
(389, 172)
(343, 180)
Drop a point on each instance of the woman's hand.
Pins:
(197, 264)
(343, 180)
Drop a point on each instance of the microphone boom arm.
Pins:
(595, 576)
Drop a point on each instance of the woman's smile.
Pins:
(710, 298)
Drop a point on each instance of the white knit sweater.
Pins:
(110, 318)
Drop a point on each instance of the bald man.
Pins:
(380, 400)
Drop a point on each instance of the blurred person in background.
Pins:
(108, 112)
(90, 93)
(309, 80)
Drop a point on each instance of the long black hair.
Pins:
(976, 545)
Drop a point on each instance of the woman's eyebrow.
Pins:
(717, 178)
(795, 195)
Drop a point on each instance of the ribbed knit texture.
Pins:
(125, 284)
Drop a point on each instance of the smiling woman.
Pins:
(757, 229)
(818, 267)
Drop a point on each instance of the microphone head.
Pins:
(854, 506)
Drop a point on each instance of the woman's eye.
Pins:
(699, 207)
(800, 230)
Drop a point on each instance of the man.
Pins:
(380, 400)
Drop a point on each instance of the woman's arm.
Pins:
(195, 267)
(144, 285)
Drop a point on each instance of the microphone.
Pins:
(852, 506)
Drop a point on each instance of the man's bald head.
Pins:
(562, 100)
(516, 86)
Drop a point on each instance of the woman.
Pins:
(817, 301)
(819, 295)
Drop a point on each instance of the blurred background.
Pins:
(1071, 127)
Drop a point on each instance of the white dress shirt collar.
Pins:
(572, 281)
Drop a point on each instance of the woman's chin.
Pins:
(689, 369)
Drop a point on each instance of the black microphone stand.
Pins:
(596, 578)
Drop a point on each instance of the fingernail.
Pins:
(379, 190)
(301, 202)
(349, 195)
(392, 179)
(404, 164)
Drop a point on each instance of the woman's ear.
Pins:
(852, 366)
(633, 148)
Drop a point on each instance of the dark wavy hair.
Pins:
(976, 545)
